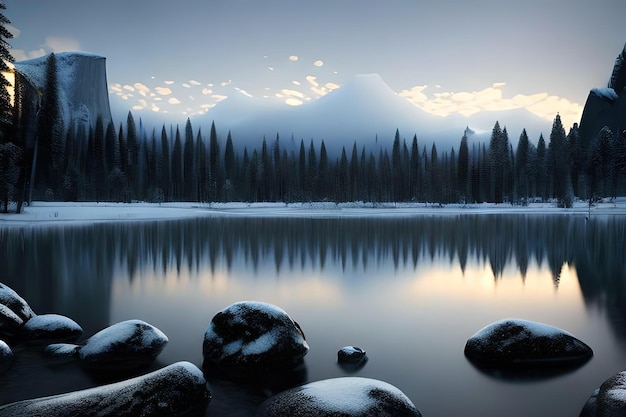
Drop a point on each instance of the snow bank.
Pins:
(89, 212)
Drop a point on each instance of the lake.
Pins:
(409, 290)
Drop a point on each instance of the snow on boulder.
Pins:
(176, 390)
(122, 346)
(514, 342)
(50, 327)
(347, 397)
(6, 356)
(14, 310)
(609, 400)
(251, 337)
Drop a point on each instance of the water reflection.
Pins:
(71, 262)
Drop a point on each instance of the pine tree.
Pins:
(522, 173)
(414, 177)
(49, 147)
(559, 164)
(6, 109)
(190, 181)
(541, 169)
(213, 164)
(202, 167)
(177, 167)
(164, 172)
(463, 168)
(229, 163)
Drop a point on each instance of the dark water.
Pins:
(410, 291)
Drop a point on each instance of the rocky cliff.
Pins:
(606, 106)
(82, 83)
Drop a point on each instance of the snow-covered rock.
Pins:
(606, 106)
(250, 337)
(17, 304)
(347, 397)
(171, 391)
(351, 355)
(125, 345)
(50, 327)
(14, 311)
(609, 400)
(6, 356)
(515, 342)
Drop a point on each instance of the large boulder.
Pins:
(345, 397)
(252, 337)
(609, 400)
(14, 311)
(126, 345)
(176, 390)
(50, 327)
(523, 343)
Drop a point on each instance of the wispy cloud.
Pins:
(492, 98)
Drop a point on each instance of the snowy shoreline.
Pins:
(91, 212)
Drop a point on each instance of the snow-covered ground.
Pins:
(89, 212)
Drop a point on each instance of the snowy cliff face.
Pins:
(82, 83)
(606, 106)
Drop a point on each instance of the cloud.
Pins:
(173, 100)
(319, 63)
(62, 44)
(293, 101)
(142, 89)
(194, 82)
(244, 92)
(21, 55)
(415, 94)
(168, 82)
(467, 103)
(293, 58)
(225, 83)
(207, 91)
(311, 79)
(164, 91)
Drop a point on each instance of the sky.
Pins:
(181, 59)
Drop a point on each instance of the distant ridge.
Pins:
(365, 110)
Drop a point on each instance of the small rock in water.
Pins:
(6, 356)
(346, 397)
(51, 327)
(514, 342)
(176, 390)
(123, 346)
(351, 355)
(252, 337)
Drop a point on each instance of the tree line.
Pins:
(130, 163)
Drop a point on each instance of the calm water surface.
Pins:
(408, 290)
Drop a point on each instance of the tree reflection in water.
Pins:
(50, 266)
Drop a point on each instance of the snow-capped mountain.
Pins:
(365, 110)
